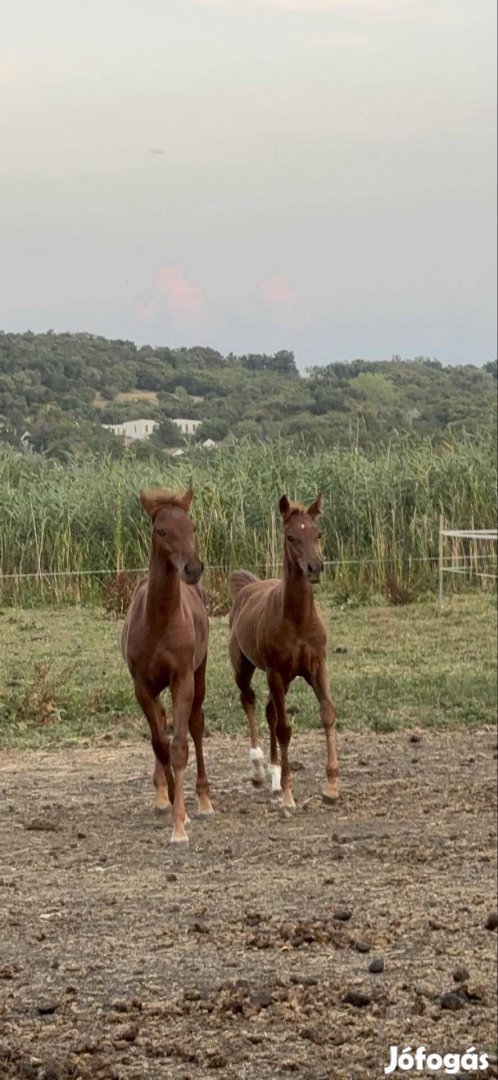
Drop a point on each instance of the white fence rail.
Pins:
(477, 536)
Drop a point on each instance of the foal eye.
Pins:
(161, 532)
(291, 539)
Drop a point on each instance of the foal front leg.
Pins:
(274, 767)
(196, 726)
(243, 672)
(328, 714)
(283, 730)
(182, 693)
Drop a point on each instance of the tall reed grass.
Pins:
(381, 511)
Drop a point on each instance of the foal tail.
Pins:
(237, 581)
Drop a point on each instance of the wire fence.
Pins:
(396, 576)
(19, 575)
(471, 559)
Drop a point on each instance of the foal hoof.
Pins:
(162, 811)
(256, 757)
(180, 842)
(330, 799)
(287, 803)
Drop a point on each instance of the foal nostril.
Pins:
(193, 571)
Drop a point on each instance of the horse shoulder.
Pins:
(313, 636)
(197, 619)
(193, 608)
(320, 630)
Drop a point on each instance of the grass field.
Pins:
(63, 682)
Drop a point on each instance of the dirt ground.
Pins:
(123, 958)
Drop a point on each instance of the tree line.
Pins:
(61, 388)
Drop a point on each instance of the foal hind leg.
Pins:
(163, 774)
(159, 779)
(243, 671)
(196, 728)
(274, 768)
(283, 729)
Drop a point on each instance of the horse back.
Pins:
(251, 599)
(249, 611)
(266, 634)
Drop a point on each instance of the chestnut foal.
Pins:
(276, 627)
(164, 643)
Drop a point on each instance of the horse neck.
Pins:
(163, 589)
(299, 603)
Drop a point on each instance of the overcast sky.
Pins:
(317, 175)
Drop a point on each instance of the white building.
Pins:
(129, 430)
(133, 429)
(187, 427)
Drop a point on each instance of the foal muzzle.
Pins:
(314, 572)
(311, 570)
(192, 572)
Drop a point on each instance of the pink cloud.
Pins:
(173, 289)
(179, 293)
(277, 291)
(24, 66)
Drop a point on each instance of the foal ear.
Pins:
(316, 507)
(186, 499)
(284, 506)
(150, 502)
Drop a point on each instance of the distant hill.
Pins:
(63, 387)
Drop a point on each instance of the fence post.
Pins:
(441, 561)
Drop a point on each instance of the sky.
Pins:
(252, 175)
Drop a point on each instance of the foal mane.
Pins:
(164, 498)
(288, 508)
(158, 499)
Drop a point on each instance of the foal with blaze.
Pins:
(276, 627)
(164, 643)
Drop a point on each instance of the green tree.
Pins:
(167, 434)
(216, 429)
